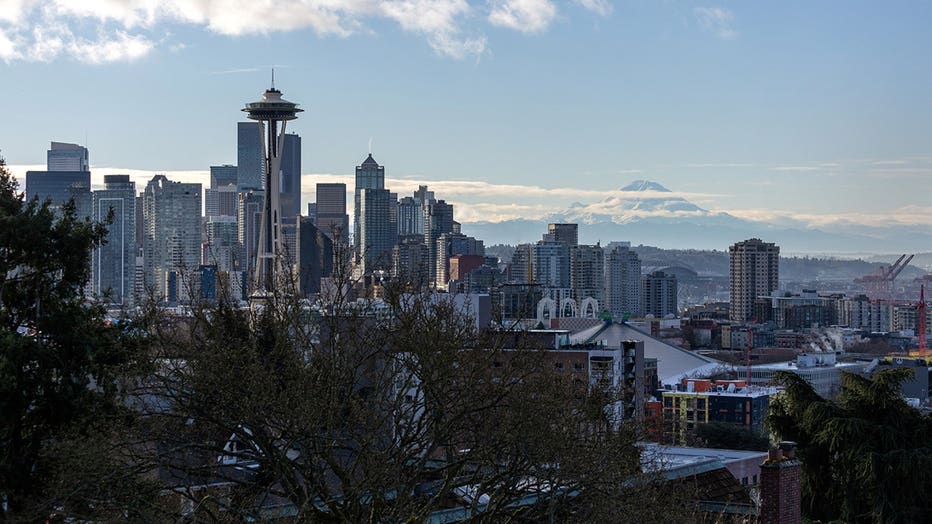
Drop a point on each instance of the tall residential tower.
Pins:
(753, 269)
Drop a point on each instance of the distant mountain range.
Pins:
(646, 212)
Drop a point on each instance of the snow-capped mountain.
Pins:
(646, 212)
(638, 200)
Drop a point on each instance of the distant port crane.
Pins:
(879, 285)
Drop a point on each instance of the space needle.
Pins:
(272, 112)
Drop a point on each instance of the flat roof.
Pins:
(674, 456)
(791, 366)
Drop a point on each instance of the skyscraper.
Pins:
(291, 176)
(369, 175)
(249, 169)
(550, 260)
(113, 264)
(222, 247)
(67, 157)
(753, 270)
(659, 294)
(249, 219)
(450, 244)
(331, 217)
(375, 235)
(522, 270)
(623, 282)
(409, 261)
(224, 175)
(220, 201)
(587, 273)
(172, 236)
(59, 187)
(438, 219)
(566, 233)
(314, 256)
(410, 217)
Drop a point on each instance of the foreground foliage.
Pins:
(59, 363)
(867, 456)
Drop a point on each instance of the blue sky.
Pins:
(819, 112)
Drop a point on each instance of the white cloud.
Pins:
(36, 30)
(716, 20)
(527, 16)
(717, 165)
(599, 7)
(436, 19)
(488, 202)
(796, 168)
(118, 47)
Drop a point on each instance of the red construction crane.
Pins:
(880, 283)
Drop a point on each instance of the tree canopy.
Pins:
(866, 456)
(59, 358)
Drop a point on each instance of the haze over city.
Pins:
(793, 113)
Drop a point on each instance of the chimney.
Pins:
(781, 486)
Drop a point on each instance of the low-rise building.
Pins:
(820, 369)
(700, 401)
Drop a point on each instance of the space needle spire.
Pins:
(272, 112)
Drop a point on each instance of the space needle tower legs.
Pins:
(272, 112)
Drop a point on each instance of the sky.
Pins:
(815, 112)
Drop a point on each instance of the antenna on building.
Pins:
(273, 78)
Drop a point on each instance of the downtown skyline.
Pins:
(752, 103)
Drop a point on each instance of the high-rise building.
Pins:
(220, 201)
(587, 272)
(550, 261)
(754, 268)
(623, 282)
(462, 265)
(410, 217)
(222, 247)
(313, 257)
(393, 217)
(331, 217)
(566, 233)
(113, 265)
(438, 219)
(249, 168)
(522, 265)
(450, 244)
(249, 219)
(369, 175)
(221, 176)
(291, 176)
(67, 157)
(659, 294)
(375, 235)
(409, 261)
(59, 187)
(172, 236)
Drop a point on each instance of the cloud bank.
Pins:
(478, 201)
(105, 31)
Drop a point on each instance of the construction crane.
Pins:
(880, 284)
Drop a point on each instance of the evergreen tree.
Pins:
(866, 456)
(58, 358)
